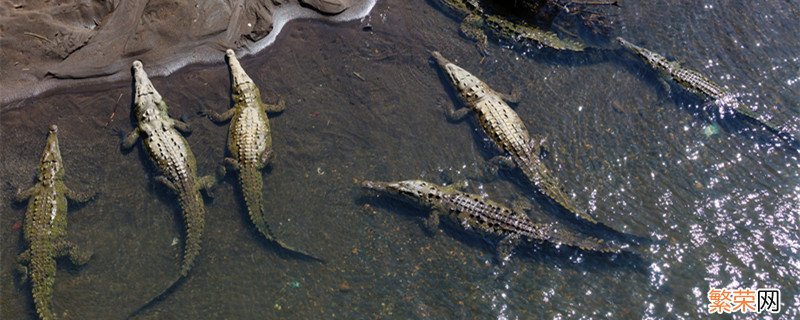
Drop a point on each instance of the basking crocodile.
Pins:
(489, 218)
(509, 133)
(170, 153)
(699, 85)
(46, 226)
(249, 142)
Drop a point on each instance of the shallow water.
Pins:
(721, 208)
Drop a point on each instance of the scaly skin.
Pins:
(696, 83)
(488, 218)
(46, 227)
(170, 152)
(509, 133)
(250, 143)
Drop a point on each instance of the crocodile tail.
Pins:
(548, 184)
(252, 189)
(157, 298)
(43, 275)
(193, 217)
(583, 242)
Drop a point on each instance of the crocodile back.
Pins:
(503, 125)
(487, 217)
(250, 135)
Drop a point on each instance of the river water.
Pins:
(715, 196)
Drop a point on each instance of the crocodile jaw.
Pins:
(416, 191)
(52, 167)
(466, 83)
(240, 77)
(145, 92)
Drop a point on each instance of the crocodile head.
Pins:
(242, 85)
(466, 83)
(416, 191)
(651, 57)
(147, 101)
(51, 167)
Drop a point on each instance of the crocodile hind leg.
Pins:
(499, 162)
(207, 183)
(472, 28)
(23, 260)
(506, 247)
(512, 97)
(75, 254)
(265, 158)
(432, 222)
(275, 108)
(165, 182)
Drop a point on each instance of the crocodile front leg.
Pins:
(70, 250)
(219, 117)
(130, 139)
(183, 127)
(23, 195)
(512, 97)
(79, 197)
(454, 115)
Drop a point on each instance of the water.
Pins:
(717, 196)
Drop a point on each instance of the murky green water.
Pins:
(718, 196)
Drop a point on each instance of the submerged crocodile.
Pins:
(509, 133)
(249, 142)
(480, 15)
(170, 153)
(699, 85)
(489, 218)
(46, 227)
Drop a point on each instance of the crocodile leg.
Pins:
(278, 107)
(520, 206)
(506, 247)
(164, 181)
(23, 195)
(432, 222)
(265, 157)
(130, 139)
(219, 117)
(455, 115)
(472, 28)
(458, 185)
(183, 127)
(23, 260)
(207, 183)
(79, 197)
(232, 163)
(70, 250)
(512, 97)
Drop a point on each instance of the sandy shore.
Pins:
(50, 45)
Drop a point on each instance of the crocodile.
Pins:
(170, 153)
(486, 217)
(512, 21)
(700, 85)
(508, 132)
(46, 227)
(250, 143)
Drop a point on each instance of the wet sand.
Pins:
(62, 44)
